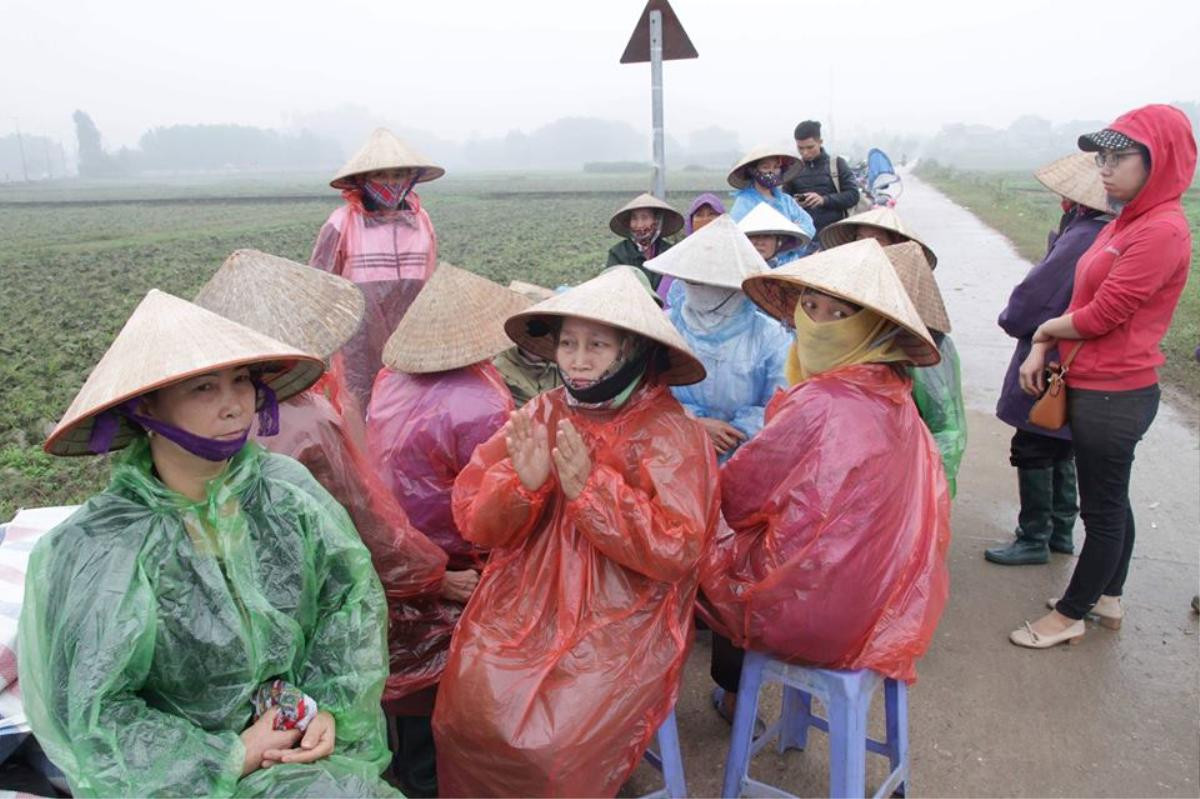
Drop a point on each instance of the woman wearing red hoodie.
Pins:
(1127, 285)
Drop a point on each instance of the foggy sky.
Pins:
(462, 69)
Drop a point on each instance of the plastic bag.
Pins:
(150, 621)
(937, 391)
(421, 431)
(840, 522)
(570, 653)
(317, 431)
(389, 256)
(744, 359)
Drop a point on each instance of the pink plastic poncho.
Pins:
(389, 255)
(314, 429)
(421, 431)
(840, 522)
(570, 653)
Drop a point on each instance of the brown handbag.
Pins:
(1050, 410)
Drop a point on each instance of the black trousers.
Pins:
(1106, 427)
(1036, 451)
(726, 663)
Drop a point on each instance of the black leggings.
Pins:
(1106, 427)
(726, 664)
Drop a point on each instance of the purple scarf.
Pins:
(104, 429)
(709, 199)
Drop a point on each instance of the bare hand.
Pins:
(572, 460)
(529, 447)
(261, 737)
(458, 586)
(1032, 373)
(724, 435)
(317, 743)
(810, 199)
(1040, 336)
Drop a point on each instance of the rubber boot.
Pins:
(1066, 507)
(1034, 522)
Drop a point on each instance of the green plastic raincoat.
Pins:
(937, 391)
(149, 620)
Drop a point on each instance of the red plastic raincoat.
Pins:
(421, 431)
(387, 255)
(315, 431)
(570, 653)
(840, 522)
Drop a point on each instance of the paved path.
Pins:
(1118, 715)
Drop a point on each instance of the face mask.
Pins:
(104, 429)
(706, 308)
(643, 239)
(387, 195)
(768, 180)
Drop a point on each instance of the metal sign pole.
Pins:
(656, 100)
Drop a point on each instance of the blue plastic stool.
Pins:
(847, 699)
(668, 760)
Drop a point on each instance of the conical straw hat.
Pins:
(385, 150)
(167, 340)
(307, 308)
(456, 320)
(764, 220)
(1076, 178)
(672, 219)
(717, 254)
(845, 230)
(858, 272)
(615, 298)
(532, 291)
(910, 264)
(791, 163)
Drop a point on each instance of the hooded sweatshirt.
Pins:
(1128, 282)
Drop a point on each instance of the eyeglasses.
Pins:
(1113, 159)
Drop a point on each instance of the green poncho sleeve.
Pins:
(937, 391)
(148, 621)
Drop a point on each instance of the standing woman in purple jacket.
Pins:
(1044, 458)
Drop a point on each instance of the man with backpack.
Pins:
(823, 185)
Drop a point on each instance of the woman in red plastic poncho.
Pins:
(383, 241)
(317, 313)
(839, 509)
(437, 398)
(598, 500)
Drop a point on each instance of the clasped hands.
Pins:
(532, 456)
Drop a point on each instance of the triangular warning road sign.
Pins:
(676, 43)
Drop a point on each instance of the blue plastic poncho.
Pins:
(744, 357)
(149, 622)
(745, 199)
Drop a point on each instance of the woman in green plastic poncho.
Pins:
(207, 569)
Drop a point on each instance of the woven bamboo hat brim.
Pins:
(846, 230)
(615, 298)
(456, 320)
(791, 162)
(909, 261)
(859, 272)
(167, 340)
(672, 219)
(532, 291)
(385, 150)
(1076, 178)
(764, 220)
(717, 254)
(307, 308)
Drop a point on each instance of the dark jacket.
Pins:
(626, 252)
(1043, 295)
(814, 176)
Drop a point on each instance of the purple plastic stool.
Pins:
(669, 761)
(847, 699)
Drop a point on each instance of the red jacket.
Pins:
(1128, 282)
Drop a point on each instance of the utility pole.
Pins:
(21, 147)
(658, 37)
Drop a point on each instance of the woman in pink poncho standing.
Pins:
(382, 240)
